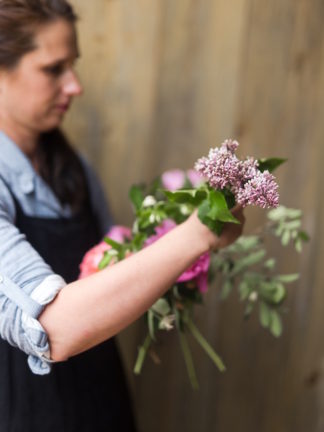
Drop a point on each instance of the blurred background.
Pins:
(164, 81)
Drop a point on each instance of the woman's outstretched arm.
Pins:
(91, 310)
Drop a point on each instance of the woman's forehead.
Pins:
(56, 40)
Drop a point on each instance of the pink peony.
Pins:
(119, 233)
(92, 258)
(198, 271)
(195, 177)
(173, 179)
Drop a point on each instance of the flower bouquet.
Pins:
(218, 183)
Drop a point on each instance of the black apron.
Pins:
(87, 393)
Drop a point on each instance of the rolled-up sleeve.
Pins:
(27, 284)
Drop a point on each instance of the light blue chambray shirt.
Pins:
(26, 281)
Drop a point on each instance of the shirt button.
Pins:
(26, 184)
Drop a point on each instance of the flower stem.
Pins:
(205, 345)
(188, 360)
(142, 354)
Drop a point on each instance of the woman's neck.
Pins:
(27, 141)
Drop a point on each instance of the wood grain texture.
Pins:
(165, 80)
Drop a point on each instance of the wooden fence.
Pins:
(164, 81)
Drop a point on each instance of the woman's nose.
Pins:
(71, 84)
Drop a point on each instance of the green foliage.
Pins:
(244, 266)
(270, 164)
(214, 212)
(136, 195)
(188, 196)
(286, 224)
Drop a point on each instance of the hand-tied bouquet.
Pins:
(218, 183)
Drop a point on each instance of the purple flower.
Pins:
(261, 190)
(223, 169)
(230, 145)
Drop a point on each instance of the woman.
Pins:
(51, 212)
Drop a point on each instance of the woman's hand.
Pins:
(231, 232)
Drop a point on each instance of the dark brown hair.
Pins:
(19, 23)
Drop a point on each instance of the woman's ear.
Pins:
(2, 80)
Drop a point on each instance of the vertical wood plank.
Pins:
(165, 80)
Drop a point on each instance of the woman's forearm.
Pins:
(91, 310)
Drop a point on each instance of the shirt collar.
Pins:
(12, 156)
(21, 174)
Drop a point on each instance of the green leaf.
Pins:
(226, 289)
(105, 261)
(265, 314)
(283, 212)
(288, 278)
(248, 261)
(285, 239)
(299, 245)
(293, 225)
(303, 236)
(213, 225)
(186, 196)
(275, 324)
(136, 196)
(115, 245)
(279, 293)
(272, 291)
(161, 306)
(244, 244)
(270, 263)
(244, 290)
(214, 211)
(218, 208)
(138, 241)
(270, 164)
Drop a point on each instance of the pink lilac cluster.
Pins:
(198, 271)
(249, 185)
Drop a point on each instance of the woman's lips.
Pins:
(62, 107)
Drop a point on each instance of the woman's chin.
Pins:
(52, 123)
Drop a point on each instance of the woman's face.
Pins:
(35, 94)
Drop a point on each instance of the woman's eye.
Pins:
(55, 70)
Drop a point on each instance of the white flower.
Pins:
(253, 297)
(149, 201)
(166, 322)
(184, 209)
(152, 218)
